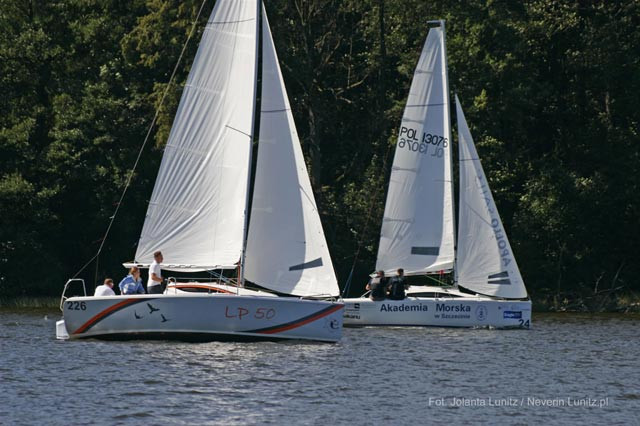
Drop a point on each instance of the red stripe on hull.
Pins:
(111, 309)
(299, 323)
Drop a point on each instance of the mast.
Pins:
(445, 77)
(245, 231)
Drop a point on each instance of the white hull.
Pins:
(438, 312)
(198, 316)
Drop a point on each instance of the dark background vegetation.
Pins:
(550, 89)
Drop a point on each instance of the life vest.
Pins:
(397, 288)
(378, 288)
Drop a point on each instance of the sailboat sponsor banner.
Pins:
(417, 229)
(469, 312)
(196, 213)
(388, 307)
(485, 260)
(286, 248)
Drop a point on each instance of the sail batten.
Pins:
(197, 209)
(286, 248)
(417, 229)
(486, 263)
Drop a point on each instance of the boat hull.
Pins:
(438, 312)
(202, 317)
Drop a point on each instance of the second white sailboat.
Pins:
(418, 229)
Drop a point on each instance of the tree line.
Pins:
(549, 88)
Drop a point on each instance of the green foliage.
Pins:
(549, 88)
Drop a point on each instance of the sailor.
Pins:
(105, 289)
(397, 286)
(132, 283)
(154, 284)
(378, 286)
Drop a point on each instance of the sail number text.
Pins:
(240, 312)
(76, 306)
(408, 139)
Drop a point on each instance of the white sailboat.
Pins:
(198, 217)
(418, 229)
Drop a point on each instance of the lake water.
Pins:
(568, 369)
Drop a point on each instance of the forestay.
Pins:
(286, 247)
(485, 260)
(196, 215)
(417, 229)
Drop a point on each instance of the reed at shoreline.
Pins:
(30, 302)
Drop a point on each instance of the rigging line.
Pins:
(239, 21)
(144, 143)
(366, 227)
(425, 105)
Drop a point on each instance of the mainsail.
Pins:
(417, 229)
(486, 263)
(196, 214)
(286, 247)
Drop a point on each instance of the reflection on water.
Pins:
(551, 373)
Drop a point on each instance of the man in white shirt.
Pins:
(154, 284)
(105, 289)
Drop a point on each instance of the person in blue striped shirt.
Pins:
(132, 283)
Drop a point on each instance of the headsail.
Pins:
(197, 209)
(485, 260)
(286, 247)
(417, 229)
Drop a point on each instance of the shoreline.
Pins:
(624, 304)
(628, 302)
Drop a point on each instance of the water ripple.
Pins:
(394, 375)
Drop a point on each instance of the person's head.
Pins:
(381, 273)
(108, 282)
(401, 272)
(134, 271)
(158, 256)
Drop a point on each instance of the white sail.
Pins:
(286, 248)
(196, 215)
(485, 260)
(417, 229)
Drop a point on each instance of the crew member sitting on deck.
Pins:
(132, 283)
(105, 289)
(378, 286)
(397, 286)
